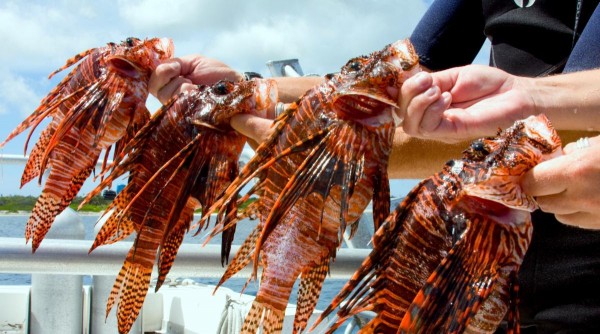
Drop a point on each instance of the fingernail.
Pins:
(447, 97)
(175, 66)
(421, 79)
(432, 91)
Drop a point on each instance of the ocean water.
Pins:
(14, 226)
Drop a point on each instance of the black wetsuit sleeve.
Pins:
(586, 53)
(449, 34)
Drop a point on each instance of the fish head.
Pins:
(491, 168)
(367, 87)
(219, 102)
(136, 58)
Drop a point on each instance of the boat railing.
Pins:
(58, 265)
(70, 257)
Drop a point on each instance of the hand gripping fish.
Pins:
(179, 162)
(101, 102)
(326, 160)
(446, 260)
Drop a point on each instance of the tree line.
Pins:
(18, 203)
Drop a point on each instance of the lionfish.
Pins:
(101, 102)
(326, 160)
(179, 162)
(446, 260)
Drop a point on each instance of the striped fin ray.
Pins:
(133, 146)
(140, 119)
(92, 97)
(34, 163)
(242, 258)
(129, 292)
(351, 171)
(172, 241)
(117, 226)
(258, 164)
(101, 118)
(361, 290)
(72, 61)
(182, 212)
(40, 113)
(452, 294)
(49, 206)
(381, 197)
(299, 184)
(308, 293)
(272, 320)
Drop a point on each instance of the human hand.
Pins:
(463, 103)
(177, 75)
(568, 185)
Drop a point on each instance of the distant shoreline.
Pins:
(27, 213)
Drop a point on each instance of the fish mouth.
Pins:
(124, 67)
(366, 106)
(163, 49)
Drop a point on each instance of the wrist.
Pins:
(534, 97)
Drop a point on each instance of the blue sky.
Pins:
(38, 37)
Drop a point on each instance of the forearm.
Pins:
(291, 88)
(571, 101)
(414, 158)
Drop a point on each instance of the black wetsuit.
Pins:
(560, 275)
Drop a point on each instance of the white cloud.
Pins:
(245, 34)
(16, 95)
(41, 36)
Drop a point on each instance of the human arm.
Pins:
(180, 74)
(449, 34)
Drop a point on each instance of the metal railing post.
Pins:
(101, 287)
(57, 300)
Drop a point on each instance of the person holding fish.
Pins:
(539, 39)
(457, 102)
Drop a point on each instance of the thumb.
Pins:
(547, 178)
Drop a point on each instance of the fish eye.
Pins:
(221, 88)
(405, 65)
(478, 146)
(354, 66)
(129, 41)
(478, 150)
